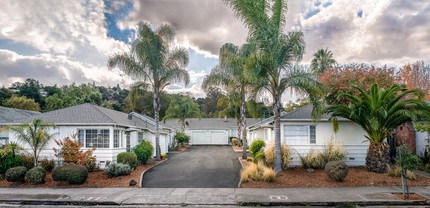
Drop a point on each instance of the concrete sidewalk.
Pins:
(344, 196)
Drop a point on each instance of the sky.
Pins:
(64, 42)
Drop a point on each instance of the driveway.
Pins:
(196, 167)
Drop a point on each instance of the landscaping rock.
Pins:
(310, 170)
(336, 170)
(133, 182)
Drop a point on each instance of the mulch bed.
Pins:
(181, 149)
(298, 177)
(412, 197)
(238, 149)
(97, 179)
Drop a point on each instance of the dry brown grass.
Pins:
(257, 172)
(269, 154)
(396, 172)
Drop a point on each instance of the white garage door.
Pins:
(213, 137)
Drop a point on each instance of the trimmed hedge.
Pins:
(144, 151)
(74, 174)
(127, 158)
(16, 174)
(36, 175)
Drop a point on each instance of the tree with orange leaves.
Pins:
(70, 151)
(416, 76)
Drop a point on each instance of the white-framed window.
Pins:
(139, 137)
(116, 138)
(299, 135)
(94, 137)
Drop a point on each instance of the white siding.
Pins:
(422, 141)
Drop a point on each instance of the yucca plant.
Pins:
(379, 112)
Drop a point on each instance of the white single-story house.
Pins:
(210, 131)
(303, 135)
(8, 115)
(422, 139)
(110, 131)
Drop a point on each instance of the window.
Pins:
(139, 137)
(116, 138)
(97, 138)
(296, 135)
(81, 136)
(313, 139)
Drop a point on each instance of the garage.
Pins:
(209, 137)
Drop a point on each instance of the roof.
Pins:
(89, 114)
(209, 123)
(8, 115)
(301, 114)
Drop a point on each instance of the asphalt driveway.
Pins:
(196, 167)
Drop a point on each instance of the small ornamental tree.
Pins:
(342, 78)
(407, 161)
(70, 150)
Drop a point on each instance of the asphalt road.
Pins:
(196, 167)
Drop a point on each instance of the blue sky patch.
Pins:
(360, 13)
(19, 48)
(116, 11)
(199, 62)
(317, 3)
(311, 13)
(327, 4)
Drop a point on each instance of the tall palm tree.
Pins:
(230, 75)
(379, 112)
(153, 60)
(322, 60)
(230, 104)
(34, 134)
(182, 108)
(271, 65)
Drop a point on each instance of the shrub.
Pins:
(8, 161)
(257, 172)
(332, 152)
(143, 151)
(70, 151)
(127, 158)
(259, 156)
(312, 160)
(60, 173)
(76, 174)
(336, 170)
(234, 141)
(397, 172)
(118, 169)
(16, 174)
(36, 175)
(47, 164)
(269, 155)
(182, 138)
(91, 164)
(256, 146)
(27, 161)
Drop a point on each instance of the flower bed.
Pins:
(97, 179)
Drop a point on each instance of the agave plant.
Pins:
(379, 112)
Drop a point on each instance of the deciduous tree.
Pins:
(416, 76)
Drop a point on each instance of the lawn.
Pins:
(298, 177)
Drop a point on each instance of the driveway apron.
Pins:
(196, 167)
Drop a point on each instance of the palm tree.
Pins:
(35, 134)
(271, 65)
(323, 59)
(182, 108)
(230, 75)
(379, 112)
(12, 147)
(230, 104)
(154, 61)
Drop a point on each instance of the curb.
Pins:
(143, 173)
(337, 204)
(66, 203)
(243, 168)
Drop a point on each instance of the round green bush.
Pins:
(256, 146)
(76, 174)
(144, 151)
(127, 158)
(259, 156)
(336, 170)
(182, 138)
(16, 174)
(59, 173)
(36, 175)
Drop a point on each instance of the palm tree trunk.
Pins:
(377, 158)
(243, 124)
(239, 129)
(277, 128)
(183, 124)
(157, 131)
(35, 158)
